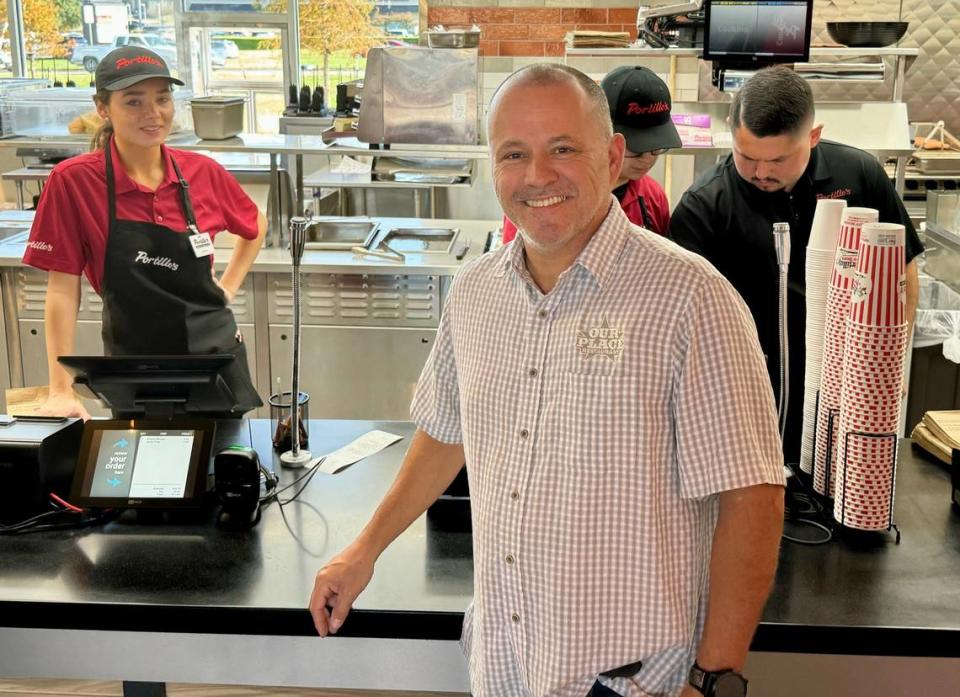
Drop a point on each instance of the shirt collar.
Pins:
(600, 255)
(818, 167)
(124, 184)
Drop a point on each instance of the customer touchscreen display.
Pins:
(765, 29)
(130, 463)
(142, 464)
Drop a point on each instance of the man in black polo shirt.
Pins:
(778, 169)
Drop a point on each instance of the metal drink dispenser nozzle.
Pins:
(295, 457)
(781, 243)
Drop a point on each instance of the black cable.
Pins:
(812, 514)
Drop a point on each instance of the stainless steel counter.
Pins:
(368, 322)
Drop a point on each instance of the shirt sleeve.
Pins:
(726, 423)
(239, 211)
(891, 208)
(436, 402)
(661, 211)
(691, 225)
(55, 242)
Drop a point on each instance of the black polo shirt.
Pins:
(730, 222)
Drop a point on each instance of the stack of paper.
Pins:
(938, 433)
(598, 39)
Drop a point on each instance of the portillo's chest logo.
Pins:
(602, 340)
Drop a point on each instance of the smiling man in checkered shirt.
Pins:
(607, 391)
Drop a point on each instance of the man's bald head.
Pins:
(548, 75)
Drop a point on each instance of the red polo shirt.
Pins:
(69, 232)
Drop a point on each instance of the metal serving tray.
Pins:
(340, 234)
(422, 240)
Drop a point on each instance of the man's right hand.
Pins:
(63, 404)
(337, 585)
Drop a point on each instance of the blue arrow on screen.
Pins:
(113, 482)
(122, 443)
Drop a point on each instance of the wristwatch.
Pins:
(722, 683)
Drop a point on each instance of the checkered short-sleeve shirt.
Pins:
(599, 422)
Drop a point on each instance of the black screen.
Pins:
(765, 31)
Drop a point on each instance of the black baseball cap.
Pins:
(640, 107)
(128, 65)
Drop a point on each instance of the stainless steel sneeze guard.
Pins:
(420, 95)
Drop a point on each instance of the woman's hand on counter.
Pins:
(59, 404)
(337, 585)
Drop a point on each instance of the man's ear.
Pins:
(615, 152)
(815, 134)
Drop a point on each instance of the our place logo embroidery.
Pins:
(602, 340)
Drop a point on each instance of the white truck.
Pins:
(90, 56)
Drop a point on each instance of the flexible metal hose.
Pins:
(781, 243)
(297, 239)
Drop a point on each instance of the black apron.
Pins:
(159, 298)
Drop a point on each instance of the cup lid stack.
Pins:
(821, 251)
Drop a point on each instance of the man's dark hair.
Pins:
(775, 101)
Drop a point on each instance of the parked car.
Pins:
(218, 53)
(90, 56)
(233, 51)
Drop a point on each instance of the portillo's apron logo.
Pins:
(162, 262)
(602, 340)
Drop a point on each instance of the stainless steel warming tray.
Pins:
(421, 240)
(340, 234)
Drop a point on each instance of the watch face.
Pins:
(730, 685)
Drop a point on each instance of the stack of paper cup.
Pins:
(821, 250)
(834, 332)
(874, 350)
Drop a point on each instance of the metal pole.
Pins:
(295, 457)
(18, 50)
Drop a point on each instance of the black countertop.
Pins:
(850, 596)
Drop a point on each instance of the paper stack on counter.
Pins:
(938, 433)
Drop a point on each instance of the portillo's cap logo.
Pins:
(125, 62)
(655, 108)
(126, 66)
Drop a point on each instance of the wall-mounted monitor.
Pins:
(744, 33)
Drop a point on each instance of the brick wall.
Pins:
(532, 31)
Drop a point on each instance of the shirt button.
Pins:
(514, 495)
(542, 313)
(159, 218)
(524, 433)
(509, 559)
(515, 618)
(533, 372)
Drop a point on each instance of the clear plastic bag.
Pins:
(938, 318)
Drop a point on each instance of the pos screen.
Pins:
(765, 31)
(143, 464)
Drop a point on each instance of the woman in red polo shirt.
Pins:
(640, 109)
(125, 217)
